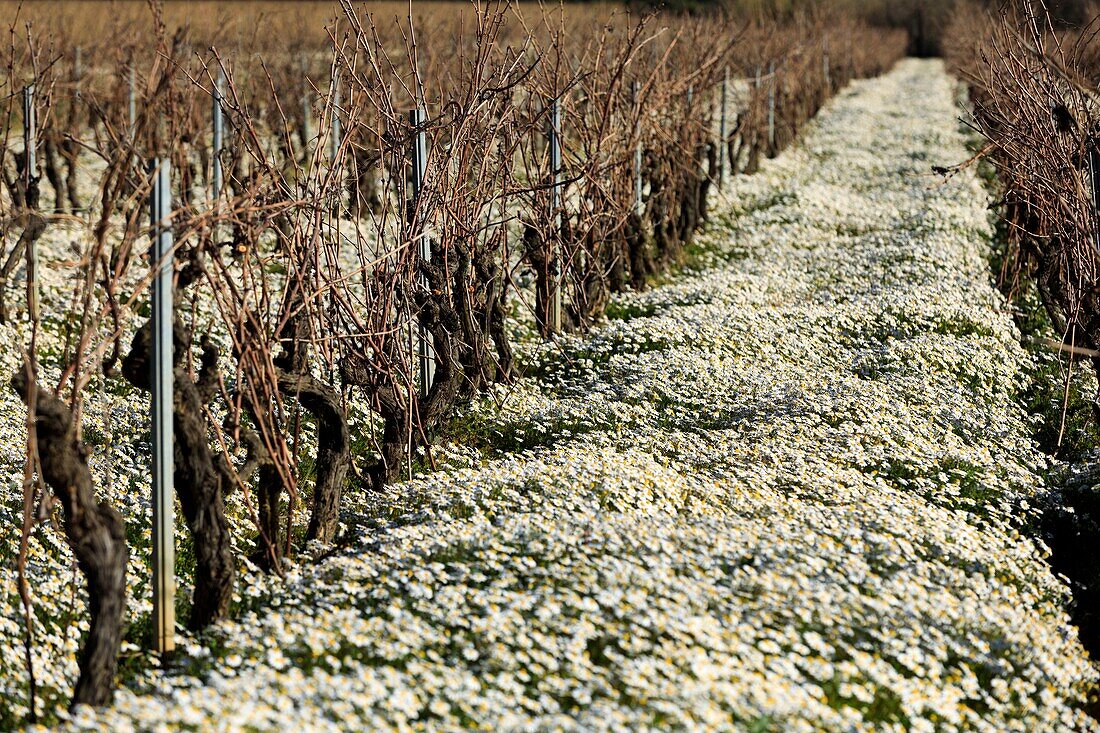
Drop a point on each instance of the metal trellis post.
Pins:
(1094, 186)
(425, 352)
(635, 95)
(164, 583)
(30, 142)
(771, 108)
(722, 131)
(216, 124)
(30, 134)
(307, 103)
(334, 149)
(78, 71)
(132, 101)
(554, 134)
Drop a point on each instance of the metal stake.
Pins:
(132, 101)
(216, 124)
(554, 134)
(30, 142)
(307, 102)
(1094, 185)
(722, 132)
(164, 553)
(771, 108)
(78, 71)
(426, 353)
(217, 131)
(334, 149)
(30, 134)
(635, 96)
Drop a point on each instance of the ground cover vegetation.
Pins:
(787, 490)
(338, 319)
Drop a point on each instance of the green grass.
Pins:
(1067, 427)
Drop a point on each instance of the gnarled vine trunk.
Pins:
(96, 534)
(333, 450)
(202, 479)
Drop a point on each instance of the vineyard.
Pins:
(502, 366)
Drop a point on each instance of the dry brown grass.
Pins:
(250, 26)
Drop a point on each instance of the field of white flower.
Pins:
(782, 493)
